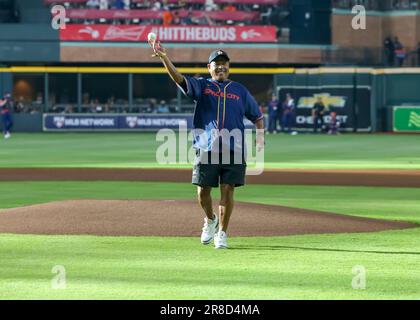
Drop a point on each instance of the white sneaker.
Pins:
(7, 135)
(209, 229)
(220, 240)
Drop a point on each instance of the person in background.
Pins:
(418, 54)
(334, 124)
(39, 99)
(126, 4)
(288, 108)
(157, 6)
(318, 111)
(400, 52)
(92, 4)
(6, 108)
(163, 107)
(103, 4)
(167, 18)
(176, 18)
(273, 114)
(389, 52)
(118, 4)
(210, 5)
(261, 106)
(20, 105)
(230, 8)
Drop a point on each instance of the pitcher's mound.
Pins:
(175, 218)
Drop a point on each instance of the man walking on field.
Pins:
(221, 105)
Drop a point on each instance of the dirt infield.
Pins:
(184, 218)
(176, 218)
(388, 178)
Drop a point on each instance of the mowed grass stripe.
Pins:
(136, 150)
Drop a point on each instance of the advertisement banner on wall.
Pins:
(351, 106)
(406, 119)
(113, 122)
(130, 33)
(119, 122)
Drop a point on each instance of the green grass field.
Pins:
(293, 267)
(125, 150)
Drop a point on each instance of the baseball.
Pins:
(151, 36)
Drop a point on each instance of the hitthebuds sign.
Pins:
(129, 33)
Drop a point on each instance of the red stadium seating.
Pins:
(260, 2)
(150, 14)
(191, 12)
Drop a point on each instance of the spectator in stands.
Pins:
(152, 105)
(39, 99)
(176, 19)
(118, 4)
(162, 107)
(400, 52)
(92, 4)
(266, 16)
(167, 18)
(20, 105)
(69, 109)
(198, 7)
(92, 106)
(126, 4)
(165, 5)
(103, 4)
(210, 6)
(85, 98)
(182, 4)
(229, 7)
(389, 51)
(203, 19)
(418, 54)
(187, 20)
(157, 6)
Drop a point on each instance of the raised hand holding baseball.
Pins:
(159, 51)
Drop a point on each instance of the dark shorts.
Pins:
(211, 175)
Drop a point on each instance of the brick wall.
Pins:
(406, 27)
(192, 55)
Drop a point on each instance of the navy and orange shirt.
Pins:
(220, 105)
(7, 107)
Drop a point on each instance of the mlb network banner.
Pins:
(339, 99)
(127, 33)
(118, 122)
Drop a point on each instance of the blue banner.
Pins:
(111, 122)
(118, 122)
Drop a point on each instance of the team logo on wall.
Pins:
(250, 34)
(95, 34)
(59, 122)
(129, 34)
(131, 121)
(414, 120)
(328, 99)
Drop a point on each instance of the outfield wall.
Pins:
(388, 87)
(364, 96)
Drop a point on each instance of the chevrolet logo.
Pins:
(329, 101)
